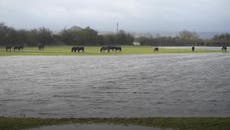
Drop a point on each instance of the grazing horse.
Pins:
(105, 48)
(8, 48)
(117, 49)
(78, 49)
(114, 48)
(224, 48)
(19, 48)
(193, 48)
(109, 48)
(156, 49)
(41, 47)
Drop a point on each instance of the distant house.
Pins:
(136, 43)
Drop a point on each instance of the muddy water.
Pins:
(115, 86)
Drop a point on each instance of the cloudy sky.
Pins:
(132, 15)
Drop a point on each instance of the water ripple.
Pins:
(115, 86)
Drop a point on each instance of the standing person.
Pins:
(193, 48)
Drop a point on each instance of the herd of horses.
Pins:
(21, 47)
(110, 48)
(78, 49)
(73, 49)
(8, 48)
(102, 49)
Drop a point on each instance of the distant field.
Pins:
(94, 50)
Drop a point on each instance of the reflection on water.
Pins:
(115, 86)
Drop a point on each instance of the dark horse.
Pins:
(110, 48)
(193, 48)
(41, 47)
(8, 48)
(224, 48)
(18, 48)
(156, 49)
(115, 48)
(104, 48)
(78, 49)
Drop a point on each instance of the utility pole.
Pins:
(117, 27)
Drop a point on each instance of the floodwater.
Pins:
(97, 127)
(196, 47)
(115, 86)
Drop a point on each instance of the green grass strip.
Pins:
(95, 50)
(193, 123)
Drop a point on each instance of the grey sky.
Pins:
(133, 15)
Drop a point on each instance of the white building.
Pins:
(136, 43)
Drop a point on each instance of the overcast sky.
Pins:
(132, 15)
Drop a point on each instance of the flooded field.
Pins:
(196, 47)
(97, 127)
(115, 86)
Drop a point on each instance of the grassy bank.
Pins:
(94, 50)
(175, 123)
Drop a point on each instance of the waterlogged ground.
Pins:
(115, 86)
(97, 127)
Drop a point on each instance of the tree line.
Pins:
(186, 38)
(72, 36)
(10, 36)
